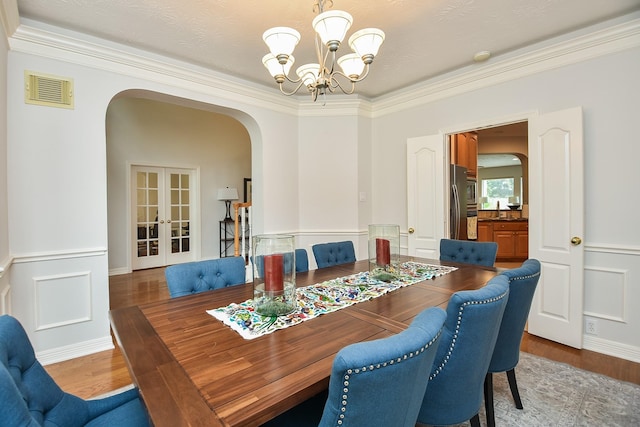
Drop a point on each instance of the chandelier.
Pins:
(331, 28)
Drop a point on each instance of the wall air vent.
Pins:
(52, 91)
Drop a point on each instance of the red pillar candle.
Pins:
(273, 280)
(383, 252)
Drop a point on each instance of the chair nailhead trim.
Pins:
(347, 374)
(455, 334)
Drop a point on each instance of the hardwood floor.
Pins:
(106, 371)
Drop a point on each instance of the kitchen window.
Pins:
(497, 189)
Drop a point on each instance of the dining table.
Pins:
(193, 370)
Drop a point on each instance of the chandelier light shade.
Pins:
(281, 40)
(331, 28)
(366, 42)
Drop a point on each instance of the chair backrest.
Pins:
(334, 253)
(302, 260)
(199, 276)
(455, 390)
(468, 252)
(28, 395)
(522, 285)
(381, 383)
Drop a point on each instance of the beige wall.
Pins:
(152, 133)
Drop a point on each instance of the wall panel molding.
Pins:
(62, 299)
(59, 255)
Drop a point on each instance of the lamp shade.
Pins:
(227, 194)
(351, 65)
(308, 73)
(281, 40)
(332, 26)
(275, 68)
(366, 41)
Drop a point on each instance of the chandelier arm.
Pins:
(297, 88)
(335, 84)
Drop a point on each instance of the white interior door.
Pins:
(557, 225)
(162, 216)
(425, 195)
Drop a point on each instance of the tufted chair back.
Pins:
(200, 276)
(522, 285)
(334, 253)
(302, 262)
(454, 393)
(30, 397)
(376, 383)
(468, 252)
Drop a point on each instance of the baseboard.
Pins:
(611, 348)
(73, 351)
(118, 271)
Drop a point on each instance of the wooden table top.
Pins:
(193, 370)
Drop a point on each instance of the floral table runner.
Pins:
(326, 297)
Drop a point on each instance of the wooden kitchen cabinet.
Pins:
(464, 152)
(512, 238)
(485, 231)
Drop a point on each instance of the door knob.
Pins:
(162, 221)
(576, 241)
(411, 230)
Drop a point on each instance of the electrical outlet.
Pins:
(591, 327)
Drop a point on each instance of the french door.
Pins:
(162, 216)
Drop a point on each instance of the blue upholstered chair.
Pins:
(522, 286)
(375, 383)
(199, 276)
(468, 252)
(302, 260)
(454, 392)
(30, 397)
(334, 253)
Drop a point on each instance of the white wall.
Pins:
(154, 133)
(5, 254)
(607, 88)
(57, 201)
(309, 167)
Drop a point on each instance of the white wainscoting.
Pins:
(62, 299)
(611, 295)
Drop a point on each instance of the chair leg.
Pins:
(513, 385)
(475, 421)
(488, 400)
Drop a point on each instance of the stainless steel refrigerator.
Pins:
(458, 203)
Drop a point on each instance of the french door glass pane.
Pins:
(180, 215)
(147, 213)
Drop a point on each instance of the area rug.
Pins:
(557, 394)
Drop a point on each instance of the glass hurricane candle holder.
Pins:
(384, 251)
(274, 274)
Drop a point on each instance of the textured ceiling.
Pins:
(424, 38)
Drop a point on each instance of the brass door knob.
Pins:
(576, 241)
(162, 221)
(411, 230)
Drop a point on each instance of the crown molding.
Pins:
(104, 55)
(581, 48)
(61, 44)
(9, 16)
